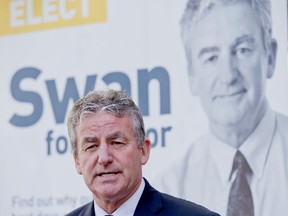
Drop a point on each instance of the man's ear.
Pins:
(193, 83)
(145, 151)
(77, 164)
(272, 52)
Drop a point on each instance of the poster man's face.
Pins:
(230, 64)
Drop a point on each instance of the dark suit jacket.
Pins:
(153, 203)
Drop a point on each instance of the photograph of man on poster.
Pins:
(240, 167)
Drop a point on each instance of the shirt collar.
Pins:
(223, 156)
(255, 149)
(128, 207)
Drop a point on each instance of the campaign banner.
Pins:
(52, 52)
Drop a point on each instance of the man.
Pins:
(107, 135)
(230, 55)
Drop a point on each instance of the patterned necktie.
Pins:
(240, 198)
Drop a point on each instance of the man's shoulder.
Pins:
(192, 159)
(82, 210)
(185, 207)
(282, 124)
(282, 119)
(166, 204)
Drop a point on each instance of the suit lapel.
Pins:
(150, 202)
(88, 210)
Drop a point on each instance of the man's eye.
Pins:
(211, 59)
(242, 52)
(90, 147)
(117, 143)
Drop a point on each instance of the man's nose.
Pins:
(104, 154)
(228, 71)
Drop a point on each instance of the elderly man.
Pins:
(240, 167)
(106, 131)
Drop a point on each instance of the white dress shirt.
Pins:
(203, 174)
(127, 208)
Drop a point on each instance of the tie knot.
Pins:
(240, 164)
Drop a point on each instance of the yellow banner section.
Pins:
(19, 16)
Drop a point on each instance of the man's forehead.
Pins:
(205, 7)
(111, 135)
(234, 26)
(103, 121)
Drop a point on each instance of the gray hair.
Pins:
(195, 9)
(114, 102)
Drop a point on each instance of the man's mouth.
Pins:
(232, 94)
(108, 174)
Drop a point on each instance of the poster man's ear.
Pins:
(272, 51)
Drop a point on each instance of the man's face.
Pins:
(230, 65)
(108, 156)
